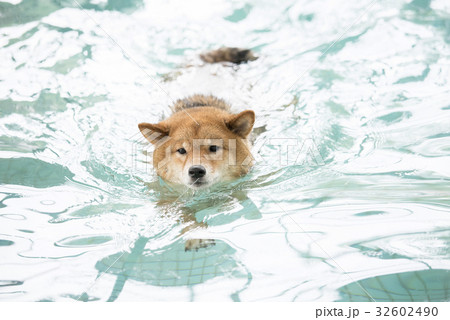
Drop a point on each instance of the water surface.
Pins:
(349, 197)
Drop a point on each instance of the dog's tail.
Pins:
(234, 55)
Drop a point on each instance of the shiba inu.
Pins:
(202, 142)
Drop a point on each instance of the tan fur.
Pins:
(201, 119)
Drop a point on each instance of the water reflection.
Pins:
(186, 261)
(171, 265)
(423, 285)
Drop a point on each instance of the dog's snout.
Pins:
(197, 172)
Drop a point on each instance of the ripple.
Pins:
(46, 101)
(26, 11)
(33, 172)
(337, 213)
(84, 241)
(25, 231)
(11, 216)
(10, 283)
(47, 202)
(369, 213)
(5, 243)
(423, 245)
(433, 147)
(394, 117)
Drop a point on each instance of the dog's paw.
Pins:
(195, 244)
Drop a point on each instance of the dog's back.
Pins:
(199, 100)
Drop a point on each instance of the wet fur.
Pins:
(206, 118)
(201, 118)
(199, 100)
(234, 55)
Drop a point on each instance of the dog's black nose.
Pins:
(197, 172)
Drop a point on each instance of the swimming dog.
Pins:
(203, 142)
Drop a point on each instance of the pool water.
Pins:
(349, 196)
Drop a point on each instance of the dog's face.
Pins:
(201, 146)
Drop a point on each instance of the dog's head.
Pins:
(201, 146)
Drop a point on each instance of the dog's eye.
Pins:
(181, 151)
(213, 148)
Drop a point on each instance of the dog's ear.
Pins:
(241, 123)
(154, 132)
